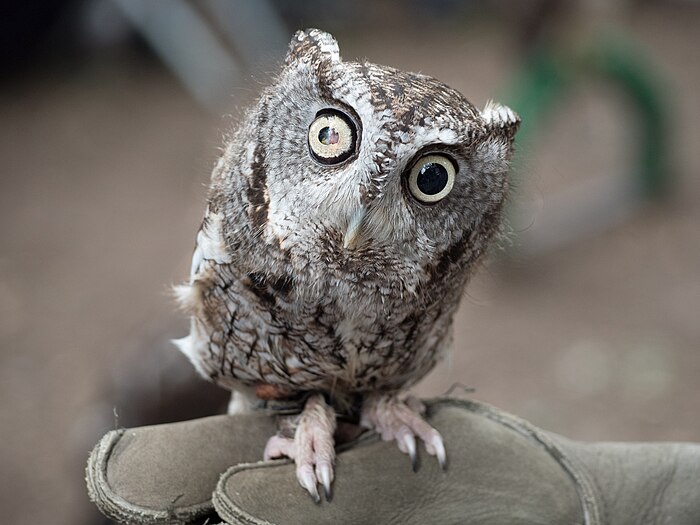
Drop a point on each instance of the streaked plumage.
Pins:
(310, 276)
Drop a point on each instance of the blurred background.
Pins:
(585, 322)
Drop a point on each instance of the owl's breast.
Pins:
(256, 330)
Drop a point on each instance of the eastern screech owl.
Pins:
(344, 218)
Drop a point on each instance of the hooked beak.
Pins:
(353, 233)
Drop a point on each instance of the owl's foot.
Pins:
(402, 420)
(312, 448)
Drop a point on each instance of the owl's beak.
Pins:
(354, 230)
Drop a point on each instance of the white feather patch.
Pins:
(498, 115)
(210, 244)
(241, 403)
(193, 346)
(188, 296)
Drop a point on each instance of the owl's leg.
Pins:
(242, 401)
(402, 420)
(312, 447)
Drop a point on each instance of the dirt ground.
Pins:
(102, 189)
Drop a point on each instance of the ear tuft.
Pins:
(500, 119)
(312, 45)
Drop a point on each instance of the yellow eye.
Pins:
(431, 178)
(332, 137)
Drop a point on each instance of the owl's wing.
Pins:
(209, 245)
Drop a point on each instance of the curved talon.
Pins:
(307, 479)
(324, 473)
(440, 451)
(402, 421)
(312, 448)
(407, 445)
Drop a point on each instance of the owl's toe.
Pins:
(279, 447)
(401, 419)
(312, 449)
(315, 448)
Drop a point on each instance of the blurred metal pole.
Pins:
(253, 28)
(182, 39)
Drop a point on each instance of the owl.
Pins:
(344, 218)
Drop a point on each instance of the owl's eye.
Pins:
(431, 178)
(332, 137)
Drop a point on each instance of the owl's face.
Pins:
(369, 172)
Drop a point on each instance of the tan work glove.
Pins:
(501, 470)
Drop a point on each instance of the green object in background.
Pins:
(549, 76)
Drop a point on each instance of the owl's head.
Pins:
(365, 174)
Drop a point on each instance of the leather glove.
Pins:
(501, 470)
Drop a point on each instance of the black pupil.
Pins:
(432, 178)
(328, 136)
